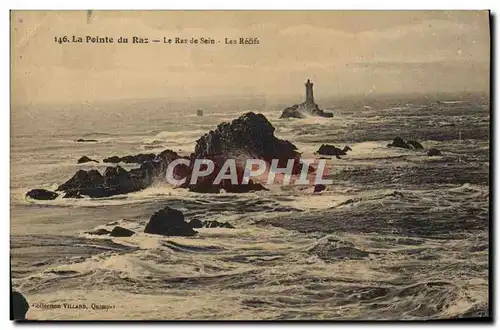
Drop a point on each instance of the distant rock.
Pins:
(433, 152)
(169, 222)
(100, 231)
(20, 305)
(319, 188)
(250, 136)
(331, 150)
(121, 232)
(86, 140)
(41, 194)
(400, 143)
(307, 108)
(86, 159)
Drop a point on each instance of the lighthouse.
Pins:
(309, 92)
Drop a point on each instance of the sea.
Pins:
(398, 235)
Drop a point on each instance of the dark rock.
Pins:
(433, 152)
(130, 159)
(331, 150)
(117, 180)
(250, 136)
(85, 140)
(217, 224)
(19, 305)
(100, 231)
(399, 143)
(72, 194)
(42, 194)
(83, 179)
(86, 159)
(196, 223)
(319, 188)
(415, 145)
(303, 110)
(169, 222)
(121, 232)
(112, 159)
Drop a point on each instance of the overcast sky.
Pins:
(342, 52)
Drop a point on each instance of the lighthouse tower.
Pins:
(309, 92)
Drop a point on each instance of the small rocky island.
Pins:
(307, 108)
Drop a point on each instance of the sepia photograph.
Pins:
(250, 165)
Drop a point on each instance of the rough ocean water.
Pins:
(398, 235)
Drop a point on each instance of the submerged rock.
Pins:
(331, 249)
(398, 142)
(217, 224)
(121, 232)
(169, 222)
(100, 231)
(86, 159)
(42, 194)
(196, 223)
(433, 152)
(415, 145)
(19, 305)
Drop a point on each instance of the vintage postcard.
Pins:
(250, 165)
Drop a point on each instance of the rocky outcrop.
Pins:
(41, 194)
(121, 232)
(169, 222)
(196, 223)
(303, 110)
(251, 136)
(130, 159)
(86, 159)
(86, 140)
(19, 306)
(116, 180)
(331, 150)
